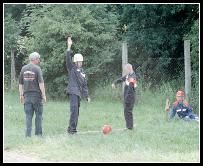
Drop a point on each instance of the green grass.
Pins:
(154, 139)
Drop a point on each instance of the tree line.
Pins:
(155, 34)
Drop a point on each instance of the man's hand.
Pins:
(44, 99)
(113, 86)
(21, 99)
(167, 106)
(69, 42)
(88, 99)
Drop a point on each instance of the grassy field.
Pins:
(154, 139)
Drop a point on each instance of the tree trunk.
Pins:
(13, 71)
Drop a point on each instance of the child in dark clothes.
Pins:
(129, 94)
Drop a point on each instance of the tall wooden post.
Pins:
(124, 59)
(187, 63)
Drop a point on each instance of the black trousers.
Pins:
(74, 113)
(128, 114)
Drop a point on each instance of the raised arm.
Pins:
(117, 81)
(69, 63)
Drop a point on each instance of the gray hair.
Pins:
(33, 56)
(128, 65)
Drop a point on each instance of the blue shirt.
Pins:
(182, 109)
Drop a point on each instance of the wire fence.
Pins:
(159, 70)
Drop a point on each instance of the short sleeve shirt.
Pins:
(30, 77)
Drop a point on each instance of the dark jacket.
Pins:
(77, 80)
(129, 91)
(181, 108)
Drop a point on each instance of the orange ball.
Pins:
(106, 129)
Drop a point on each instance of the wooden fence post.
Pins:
(187, 63)
(124, 59)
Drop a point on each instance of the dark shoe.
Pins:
(72, 133)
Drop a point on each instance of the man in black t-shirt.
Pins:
(32, 92)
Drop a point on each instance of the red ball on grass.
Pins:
(106, 129)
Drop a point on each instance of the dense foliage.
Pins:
(154, 32)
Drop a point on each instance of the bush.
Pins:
(55, 89)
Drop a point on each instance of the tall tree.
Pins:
(12, 32)
(155, 36)
(93, 31)
(11, 35)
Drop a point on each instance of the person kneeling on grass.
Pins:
(182, 108)
(129, 94)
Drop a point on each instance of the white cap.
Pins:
(78, 58)
(33, 56)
